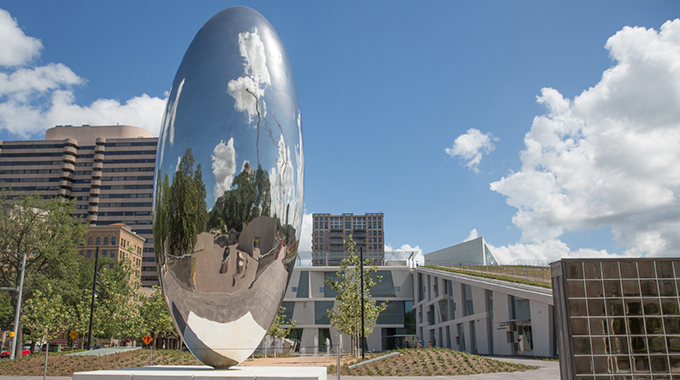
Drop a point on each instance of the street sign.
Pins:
(73, 334)
(147, 339)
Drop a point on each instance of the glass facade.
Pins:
(620, 318)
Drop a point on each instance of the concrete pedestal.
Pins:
(205, 373)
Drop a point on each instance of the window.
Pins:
(321, 312)
(336, 223)
(99, 241)
(113, 240)
(89, 252)
(106, 241)
(105, 252)
(303, 285)
(89, 241)
(468, 308)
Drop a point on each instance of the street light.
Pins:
(94, 291)
(17, 311)
(361, 266)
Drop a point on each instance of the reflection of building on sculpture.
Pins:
(221, 252)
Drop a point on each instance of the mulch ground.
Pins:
(412, 362)
(62, 365)
(431, 362)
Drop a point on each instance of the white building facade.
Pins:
(484, 316)
(308, 298)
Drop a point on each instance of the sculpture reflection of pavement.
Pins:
(231, 291)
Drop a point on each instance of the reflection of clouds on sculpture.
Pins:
(225, 258)
(223, 166)
(282, 179)
(168, 126)
(248, 89)
(300, 160)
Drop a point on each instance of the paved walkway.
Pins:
(549, 370)
(103, 351)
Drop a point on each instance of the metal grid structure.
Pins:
(618, 319)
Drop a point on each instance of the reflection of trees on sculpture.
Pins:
(181, 214)
(249, 199)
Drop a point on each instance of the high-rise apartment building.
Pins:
(109, 170)
(330, 232)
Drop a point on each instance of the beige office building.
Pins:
(330, 232)
(109, 170)
(115, 242)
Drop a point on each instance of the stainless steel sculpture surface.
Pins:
(229, 186)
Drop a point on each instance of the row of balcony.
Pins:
(71, 167)
(68, 168)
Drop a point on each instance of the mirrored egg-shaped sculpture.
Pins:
(229, 184)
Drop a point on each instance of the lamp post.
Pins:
(94, 291)
(17, 312)
(361, 269)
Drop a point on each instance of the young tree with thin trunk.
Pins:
(346, 313)
(278, 328)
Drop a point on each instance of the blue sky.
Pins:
(549, 128)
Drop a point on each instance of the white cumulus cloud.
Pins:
(471, 146)
(473, 235)
(34, 98)
(248, 89)
(223, 166)
(609, 157)
(17, 47)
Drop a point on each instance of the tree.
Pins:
(44, 230)
(346, 313)
(44, 315)
(116, 307)
(278, 328)
(249, 198)
(155, 317)
(115, 300)
(180, 211)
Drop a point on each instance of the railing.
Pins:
(531, 263)
(532, 273)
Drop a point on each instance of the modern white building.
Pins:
(481, 315)
(308, 298)
(450, 310)
(473, 252)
